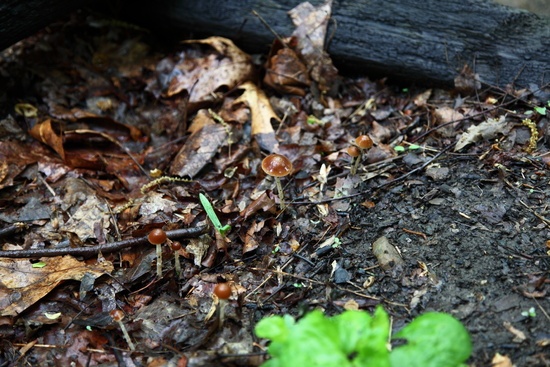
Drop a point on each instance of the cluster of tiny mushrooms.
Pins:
(275, 165)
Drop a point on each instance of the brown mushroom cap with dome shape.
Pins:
(277, 165)
(363, 142)
(353, 151)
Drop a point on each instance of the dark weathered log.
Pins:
(428, 40)
(22, 18)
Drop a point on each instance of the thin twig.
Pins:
(106, 248)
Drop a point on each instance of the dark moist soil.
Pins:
(472, 233)
(484, 247)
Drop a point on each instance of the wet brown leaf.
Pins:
(198, 150)
(201, 76)
(22, 285)
(285, 72)
(250, 242)
(46, 133)
(263, 203)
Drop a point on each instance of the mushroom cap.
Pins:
(277, 165)
(222, 290)
(363, 141)
(353, 151)
(157, 236)
(116, 315)
(175, 246)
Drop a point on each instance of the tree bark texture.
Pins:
(410, 40)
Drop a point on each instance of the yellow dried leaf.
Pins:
(261, 115)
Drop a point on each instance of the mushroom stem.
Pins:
(178, 264)
(281, 193)
(118, 315)
(355, 164)
(159, 261)
(223, 303)
(126, 336)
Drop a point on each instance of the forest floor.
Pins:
(91, 111)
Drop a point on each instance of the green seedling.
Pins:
(531, 313)
(401, 149)
(359, 339)
(212, 215)
(540, 110)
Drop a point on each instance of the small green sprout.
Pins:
(401, 149)
(312, 120)
(212, 215)
(39, 264)
(540, 110)
(531, 313)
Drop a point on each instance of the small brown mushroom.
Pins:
(223, 292)
(157, 237)
(354, 152)
(176, 246)
(362, 142)
(118, 315)
(278, 166)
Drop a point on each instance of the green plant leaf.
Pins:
(372, 346)
(312, 341)
(211, 213)
(540, 110)
(433, 340)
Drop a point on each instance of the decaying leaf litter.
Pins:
(106, 136)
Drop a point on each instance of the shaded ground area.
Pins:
(90, 107)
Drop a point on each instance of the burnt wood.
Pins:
(425, 41)
(22, 18)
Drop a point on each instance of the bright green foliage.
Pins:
(212, 215)
(540, 110)
(357, 339)
(433, 340)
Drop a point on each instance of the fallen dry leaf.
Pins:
(49, 134)
(250, 242)
(15, 156)
(201, 76)
(22, 285)
(486, 130)
(311, 28)
(501, 361)
(198, 150)
(285, 72)
(261, 115)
